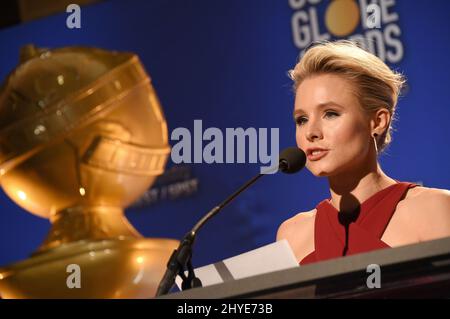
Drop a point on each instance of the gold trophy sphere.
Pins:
(82, 136)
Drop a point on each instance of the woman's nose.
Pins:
(313, 131)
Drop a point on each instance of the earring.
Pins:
(375, 142)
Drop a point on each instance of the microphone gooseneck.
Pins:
(291, 160)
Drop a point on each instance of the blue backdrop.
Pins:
(225, 62)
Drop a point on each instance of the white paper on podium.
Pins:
(269, 258)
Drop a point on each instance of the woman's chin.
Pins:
(323, 174)
(328, 171)
(321, 171)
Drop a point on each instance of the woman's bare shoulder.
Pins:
(430, 209)
(293, 225)
(420, 191)
(299, 232)
(421, 195)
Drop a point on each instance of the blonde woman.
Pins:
(345, 100)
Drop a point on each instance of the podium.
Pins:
(413, 271)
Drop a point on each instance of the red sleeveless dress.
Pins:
(335, 238)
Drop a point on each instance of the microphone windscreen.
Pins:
(292, 159)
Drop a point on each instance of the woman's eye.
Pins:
(331, 114)
(300, 120)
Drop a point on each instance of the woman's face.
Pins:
(328, 116)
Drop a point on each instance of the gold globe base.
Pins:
(113, 268)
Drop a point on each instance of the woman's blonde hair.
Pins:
(377, 86)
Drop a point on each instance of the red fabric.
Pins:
(364, 233)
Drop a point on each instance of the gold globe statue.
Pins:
(82, 136)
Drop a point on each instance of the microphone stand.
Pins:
(181, 258)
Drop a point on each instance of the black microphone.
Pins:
(291, 160)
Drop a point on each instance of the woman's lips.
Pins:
(317, 155)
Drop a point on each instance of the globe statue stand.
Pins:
(82, 136)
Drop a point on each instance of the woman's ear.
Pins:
(380, 121)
